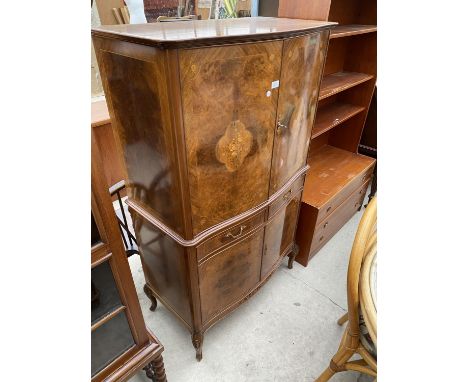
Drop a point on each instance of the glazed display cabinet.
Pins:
(213, 121)
(120, 342)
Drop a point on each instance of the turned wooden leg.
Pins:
(155, 370)
(292, 255)
(154, 302)
(197, 341)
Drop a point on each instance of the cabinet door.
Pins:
(301, 70)
(229, 275)
(229, 120)
(279, 234)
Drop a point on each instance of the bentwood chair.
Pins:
(130, 242)
(356, 338)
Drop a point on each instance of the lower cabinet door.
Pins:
(227, 276)
(279, 233)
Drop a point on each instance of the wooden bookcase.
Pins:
(336, 183)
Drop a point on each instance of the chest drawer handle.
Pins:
(287, 195)
(328, 209)
(229, 235)
(325, 225)
(321, 238)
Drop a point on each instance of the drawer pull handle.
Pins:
(287, 195)
(321, 238)
(363, 178)
(360, 192)
(231, 236)
(325, 225)
(328, 209)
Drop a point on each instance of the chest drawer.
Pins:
(344, 194)
(286, 196)
(229, 235)
(325, 229)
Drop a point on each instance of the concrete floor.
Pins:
(286, 332)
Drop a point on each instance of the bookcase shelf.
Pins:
(340, 81)
(332, 115)
(351, 30)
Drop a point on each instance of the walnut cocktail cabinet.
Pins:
(213, 121)
(120, 342)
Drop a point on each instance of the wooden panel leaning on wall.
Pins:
(206, 127)
(111, 162)
(335, 185)
(120, 342)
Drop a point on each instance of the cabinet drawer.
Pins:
(229, 235)
(330, 206)
(286, 196)
(325, 229)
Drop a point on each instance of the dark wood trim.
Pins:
(142, 211)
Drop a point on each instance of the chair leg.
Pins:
(343, 319)
(343, 354)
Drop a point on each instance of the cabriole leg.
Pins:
(197, 341)
(292, 255)
(154, 302)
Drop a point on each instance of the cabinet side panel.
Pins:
(165, 266)
(303, 59)
(229, 103)
(138, 94)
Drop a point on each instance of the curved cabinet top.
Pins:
(167, 35)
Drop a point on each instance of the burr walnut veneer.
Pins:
(213, 119)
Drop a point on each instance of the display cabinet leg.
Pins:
(155, 370)
(197, 341)
(154, 302)
(292, 255)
